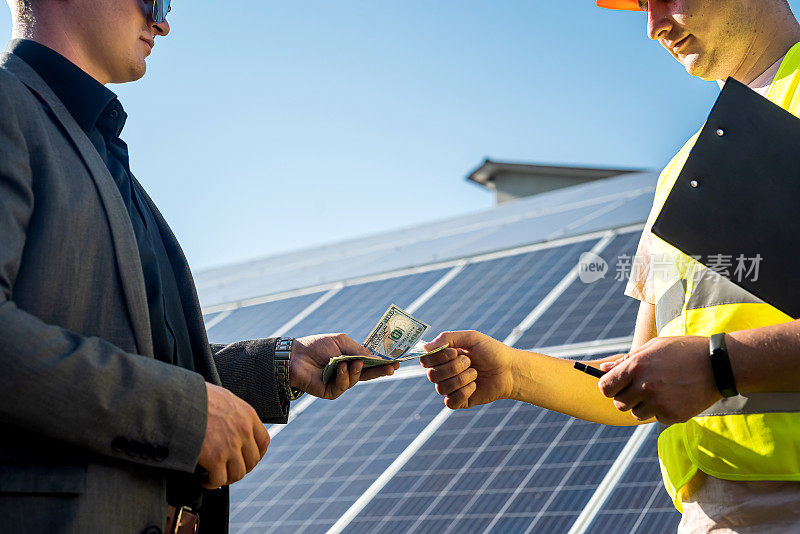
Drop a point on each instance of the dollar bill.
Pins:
(395, 333)
(396, 338)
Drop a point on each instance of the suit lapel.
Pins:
(125, 247)
(203, 359)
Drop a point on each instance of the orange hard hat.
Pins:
(630, 5)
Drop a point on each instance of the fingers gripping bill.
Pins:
(396, 338)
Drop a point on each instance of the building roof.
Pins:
(485, 174)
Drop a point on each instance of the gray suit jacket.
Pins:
(92, 423)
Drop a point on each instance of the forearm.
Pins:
(247, 369)
(554, 384)
(766, 359)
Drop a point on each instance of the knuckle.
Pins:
(243, 426)
(218, 457)
(436, 373)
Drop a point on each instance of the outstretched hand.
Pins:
(475, 370)
(311, 354)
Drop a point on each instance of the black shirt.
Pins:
(98, 112)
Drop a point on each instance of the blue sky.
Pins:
(264, 126)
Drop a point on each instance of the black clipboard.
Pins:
(739, 195)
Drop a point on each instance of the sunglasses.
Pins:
(160, 10)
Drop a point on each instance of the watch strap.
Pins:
(721, 366)
(282, 358)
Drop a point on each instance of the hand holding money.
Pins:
(311, 354)
(396, 338)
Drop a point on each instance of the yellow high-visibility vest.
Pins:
(753, 437)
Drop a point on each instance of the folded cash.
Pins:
(372, 361)
(396, 338)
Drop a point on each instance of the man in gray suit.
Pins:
(116, 411)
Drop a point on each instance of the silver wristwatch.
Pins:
(282, 358)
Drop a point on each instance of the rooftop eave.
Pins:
(485, 174)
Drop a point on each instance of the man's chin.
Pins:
(131, 71)
(696, 68)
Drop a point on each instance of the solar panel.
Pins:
(326, 458)
(506, 466)
(590, 311)
(494, 296)
(259, 321)
(639, 503)
(355, 309)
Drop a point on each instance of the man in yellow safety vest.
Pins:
(714, 365)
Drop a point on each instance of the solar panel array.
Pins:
(590, 311)
(503, 467)
(355, 309)
(589, 207)
(327, 457)
(638, 503)
(260, 320)
(494, 296)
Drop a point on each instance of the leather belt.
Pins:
(181, 521)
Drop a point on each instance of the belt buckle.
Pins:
(182, 514)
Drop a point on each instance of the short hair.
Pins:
(22, 12)
(20, 7)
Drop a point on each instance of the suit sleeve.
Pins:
(80, 391)
(247, 369)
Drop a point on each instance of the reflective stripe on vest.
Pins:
(752, 437)
(709, 289)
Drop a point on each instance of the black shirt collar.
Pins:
(83, 96)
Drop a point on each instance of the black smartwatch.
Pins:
(721, 366)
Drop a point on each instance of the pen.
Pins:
(595, 372)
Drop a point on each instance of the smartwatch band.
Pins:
(721, 366)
